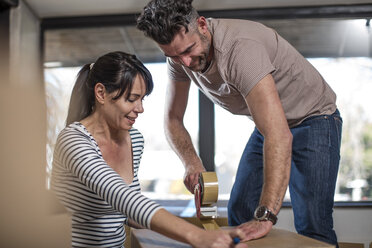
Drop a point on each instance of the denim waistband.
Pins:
(335, 114)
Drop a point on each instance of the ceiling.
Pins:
(76, 46)
(63, 8)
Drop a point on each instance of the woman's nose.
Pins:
(139, 107)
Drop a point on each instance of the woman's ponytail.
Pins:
(82, 97)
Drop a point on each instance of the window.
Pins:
(340, 50)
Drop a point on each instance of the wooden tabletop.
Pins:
(143, 238)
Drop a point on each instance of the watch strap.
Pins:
(272, 217)
(265, 214)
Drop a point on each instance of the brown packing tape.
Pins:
(209, 224)
(209, 184)
(210, 188)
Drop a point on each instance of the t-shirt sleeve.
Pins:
(176, 72)
(78, 154)
(248, 63)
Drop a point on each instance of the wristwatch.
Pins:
(262, 213)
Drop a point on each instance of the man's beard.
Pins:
(203, 62)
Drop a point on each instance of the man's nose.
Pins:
(185, 60)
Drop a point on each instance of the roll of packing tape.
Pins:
(197, 197)
(209, 191)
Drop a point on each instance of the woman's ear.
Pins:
(100, 93)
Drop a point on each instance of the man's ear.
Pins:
(100, 93)
(202, 24)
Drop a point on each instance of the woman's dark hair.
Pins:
(116, 71)
(161, 20)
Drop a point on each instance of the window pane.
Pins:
(161, 171)
(351, 79)
(58, 87)
(232, 134)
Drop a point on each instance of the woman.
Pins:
(97, 156)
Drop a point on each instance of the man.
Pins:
(249, 69)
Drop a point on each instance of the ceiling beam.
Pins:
(88, 21)
(10, 3)
(7, 4)
(127, 41)
(335, 11)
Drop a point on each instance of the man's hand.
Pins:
(255, 229)
(191, 176)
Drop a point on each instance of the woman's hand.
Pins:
(218, 239)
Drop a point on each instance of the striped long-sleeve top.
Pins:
(98, 199)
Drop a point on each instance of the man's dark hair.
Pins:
(161, 20)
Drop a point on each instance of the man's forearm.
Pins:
(277, 165)
(180, 141)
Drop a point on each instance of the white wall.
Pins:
(24, 47)
(351, 224)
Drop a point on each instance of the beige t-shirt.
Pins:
(244, 53)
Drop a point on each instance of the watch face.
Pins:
(260, 212)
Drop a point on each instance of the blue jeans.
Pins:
(314, 168)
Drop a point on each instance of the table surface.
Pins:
(143, 238)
